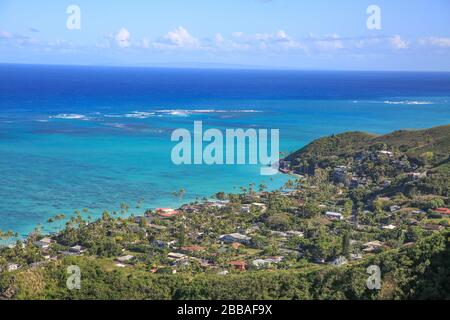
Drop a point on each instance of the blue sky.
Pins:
(414, 34)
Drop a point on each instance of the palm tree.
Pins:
(262, 187)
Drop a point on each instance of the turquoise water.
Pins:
(94, 144)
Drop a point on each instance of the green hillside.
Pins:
(412, 142)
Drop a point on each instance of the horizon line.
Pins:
(230, 67)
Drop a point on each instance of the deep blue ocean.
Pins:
(96, 137)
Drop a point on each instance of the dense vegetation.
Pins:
(421, 272)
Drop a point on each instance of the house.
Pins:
(10, 267)
(266, 262)
(124, 259)
(77, 249)
(334, 216)
(389, 227)
(340, 261)
(408, 245)
(394, 208)
(166, 212)
(172, 243)
(319, 260)
(180, 263)
(416, 175)
(190, 208)
(433, 227)
(239, 265)
(120, 265)
(279, 234)
(245, 208)
(295, 234)
(277, 259)
(223, 273)
(252, 229)
(193, 248)
(203, 262)
(260, 206)
(235, 237)
(220, 204)
(443, 211)
(372, 246)
(259, 263)
(176, 256)
(44, 243)
(356, 256)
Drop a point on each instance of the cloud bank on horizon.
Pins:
(247, 33)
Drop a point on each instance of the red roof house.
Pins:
(166, 212)
(239, 265)
(445, 211)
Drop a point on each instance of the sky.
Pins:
(411, 35)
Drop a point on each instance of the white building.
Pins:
(124, 259)
(44, 243)
(235, 237)
(339, 261)
(334, 215)
(12, 267)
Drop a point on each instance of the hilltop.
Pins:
(414, 143)
(360, 158)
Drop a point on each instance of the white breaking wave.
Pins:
(156, 113)
(139, 115)
(70, 116)
(185, 112)
(408, 102)
(134, 114)
(116, 125)
(395, 102)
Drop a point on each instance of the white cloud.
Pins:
(123, 38)
(327, 43)
(219, 38)
(279, 40)
(5, 34)
(398, 43)
(237, 34)
(178, 38)
(145, 43)
(435, 41)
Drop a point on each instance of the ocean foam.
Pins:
(139, 115)
(70, 116)
(134, 115)
(408, 102)
(186, 112)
